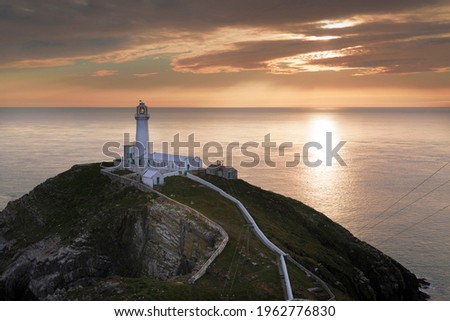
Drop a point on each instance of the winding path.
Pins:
(281, 254)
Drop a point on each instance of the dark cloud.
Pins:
(256, 54)
(420, 55)
(386, 46)
(33, 30)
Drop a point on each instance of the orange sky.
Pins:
(207, 54)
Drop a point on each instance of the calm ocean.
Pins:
(388, 153)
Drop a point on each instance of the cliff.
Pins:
(79, 227)
(81, 235)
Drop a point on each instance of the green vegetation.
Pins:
(116, 288)
(122, 172)
(64, 207)
(224, 212)
(245, 270)
(107, 164)
(82, 201)
(317, 242)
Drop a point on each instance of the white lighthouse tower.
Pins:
(142, 139)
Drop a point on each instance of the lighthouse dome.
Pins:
(141, 109)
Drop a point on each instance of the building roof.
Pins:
(214, 165)
(172, 157)
(151, 173)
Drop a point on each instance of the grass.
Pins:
(276, 216)
(307, 235)
(122, 172)
(317, 242)
(245, 270)
(63, 207)
(82, 200)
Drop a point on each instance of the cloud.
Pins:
(40, 63)
(145, 75)
(417, 55)
(276, 36)
(385, 46)
(104, 73)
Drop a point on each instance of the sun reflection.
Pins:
(322, 177)
(318, 128)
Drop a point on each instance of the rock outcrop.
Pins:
(81, 226)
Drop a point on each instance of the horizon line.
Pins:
(241, 107)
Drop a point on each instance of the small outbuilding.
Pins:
(218, 169)
(152, 177)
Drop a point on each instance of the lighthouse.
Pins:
(154, 166)
(142, 139)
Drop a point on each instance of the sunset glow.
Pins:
(340, 24)
(215, 54)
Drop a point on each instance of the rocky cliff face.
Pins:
(80, 226)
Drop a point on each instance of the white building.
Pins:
(154, 166)
(174, 162)
(218, 169)
(152, 177)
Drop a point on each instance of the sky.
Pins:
(234, 53)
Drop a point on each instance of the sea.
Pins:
(382, 173)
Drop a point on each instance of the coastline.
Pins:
(318, 243)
